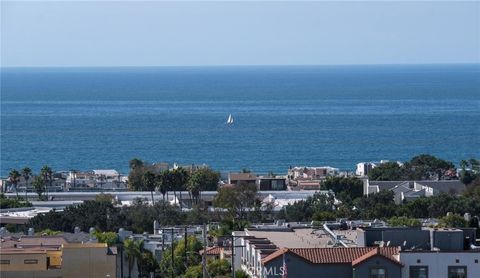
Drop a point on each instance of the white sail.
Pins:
(230, 119)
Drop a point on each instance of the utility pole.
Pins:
(163, 240)
(233, 252)
(173, 272)
(186, 246)
(233, 255)
(204, 259)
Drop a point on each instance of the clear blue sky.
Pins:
(131, 33)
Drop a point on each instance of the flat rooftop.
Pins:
(304, 237)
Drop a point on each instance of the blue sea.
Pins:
(100, 118)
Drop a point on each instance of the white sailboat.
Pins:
(230, 119)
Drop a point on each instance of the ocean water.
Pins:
(97, 118)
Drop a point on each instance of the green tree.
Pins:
(378, 205)
(470, 171)
(47, 175)
(133, 253)
(39, 186)
(403, 221)
(453, 221)
(389, 171)
(27, 174)
(218, 268)
(179, 178)
(427, 166)
(149, 182)
(203, 179)
(236, 199)
(14, 177)
(180, 262)
(6, 203)
(110, 238)
(323, 216)
(241, 274)
(162, 182)
(48, 232)
(346, 188)
(135, 176)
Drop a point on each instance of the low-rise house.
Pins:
(104, 179)
(409, 190)
(363, 168)
(213, 253)
(242, 178)
(54, 256)
(332, 262)
(313, 173)
(271, 183)
(308, 184)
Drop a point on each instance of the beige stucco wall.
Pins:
(17, 262)
(80, 261)
(75, 260)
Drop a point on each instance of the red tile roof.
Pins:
(215, 250)
(352, 255)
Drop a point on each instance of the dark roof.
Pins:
(242, 176)
(352, 255)
(446, 186)
(388, 185)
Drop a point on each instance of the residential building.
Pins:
(312, 173)
(54, 256)
(213, 253)
(367, 262)
(104, 179)
(242, 178)
(410, 190)
(440, 264)
(271, 183)
(363, 168)
(418, 238)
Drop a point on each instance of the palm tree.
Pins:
(179, 179)
(135, 163)
(47, 173)
(150, 183)
(26, 173)
(14, 177)
(133, 250)
(161, 184)
(38, 185)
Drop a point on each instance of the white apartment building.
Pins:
(440, 264)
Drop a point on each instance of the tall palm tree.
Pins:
(133, 250)
(179, 179)
(14, 177)
(161, 183)
(150, 183)
(26, 173)
(47, 173)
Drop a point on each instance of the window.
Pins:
(419, 271)
(457, 272)
(378, 273)
(30, 261)
(4, 261)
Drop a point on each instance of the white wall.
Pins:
(438, 262)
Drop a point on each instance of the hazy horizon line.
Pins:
(239, 65)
